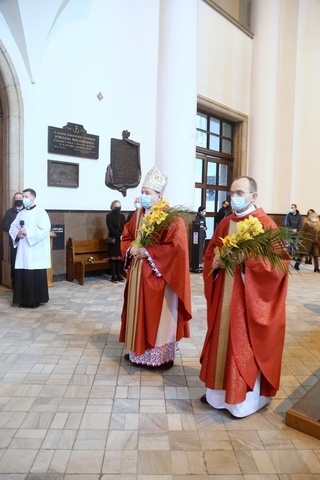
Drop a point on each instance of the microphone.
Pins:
(21, 223)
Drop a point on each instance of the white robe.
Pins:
(34, 249)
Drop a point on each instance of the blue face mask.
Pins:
(146, 200)
(26, 202)
(239, 203)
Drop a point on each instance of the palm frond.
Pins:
(270, 246)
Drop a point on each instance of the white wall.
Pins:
(305, 178)
(109, 47)
(224, 61)
(115, 47)
(285, 104)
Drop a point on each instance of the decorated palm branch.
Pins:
(156, 222)
(253, 242)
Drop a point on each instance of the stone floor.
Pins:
(72, 408)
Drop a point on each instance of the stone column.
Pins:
(177, 97)
(266, 19)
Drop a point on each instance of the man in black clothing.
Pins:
(8, 218)
(224, 211)
(293, 221)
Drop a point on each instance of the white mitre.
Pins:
(155, 180)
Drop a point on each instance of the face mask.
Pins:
(137, 205)
(314, 219)
(291, 210)
(239, 203)
(117, 209)
(146, 200)
(26, 202)
(18, 203)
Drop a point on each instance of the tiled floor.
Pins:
(72, 408)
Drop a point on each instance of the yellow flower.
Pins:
(246, 236)
(160, 217)
(153, 223)
(252, 241)
(251, 225)
(159, 206)
(230, 240)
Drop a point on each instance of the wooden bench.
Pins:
(84, 256)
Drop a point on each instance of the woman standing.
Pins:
(201, 217)
(115, 223)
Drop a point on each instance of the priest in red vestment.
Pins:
(241, 356)
(157, 297)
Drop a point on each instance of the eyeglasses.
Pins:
(239, 193)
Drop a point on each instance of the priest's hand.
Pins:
(140, 253)
(216, 263)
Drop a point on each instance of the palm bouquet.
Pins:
(155, 222)
(251, 242)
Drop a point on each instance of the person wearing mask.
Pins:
(224, 211)
(293, 221)
(30, 233)
(115, 221)
(8, 218)
(309, 241)
(201, 217)
(242, 352)
(157, 296)
(137, 205)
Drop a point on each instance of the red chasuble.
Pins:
(144, 291)
(246, 322)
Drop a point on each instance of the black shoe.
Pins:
(296, 267)
(165, 366)
(120, 279)
(34, 305)
(316, 270)
(114, 280)
(203, 399)
(126, 356)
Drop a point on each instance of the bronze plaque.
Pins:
(73, 140)
(63, 174)
(124, 170)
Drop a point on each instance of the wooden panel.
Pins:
(85, 255)
(83, 246)
(305, 415)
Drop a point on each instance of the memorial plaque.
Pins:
(124, 170)
(63, 174)
(73, 140)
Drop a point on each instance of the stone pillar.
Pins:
(266, 20)
(177, 97)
